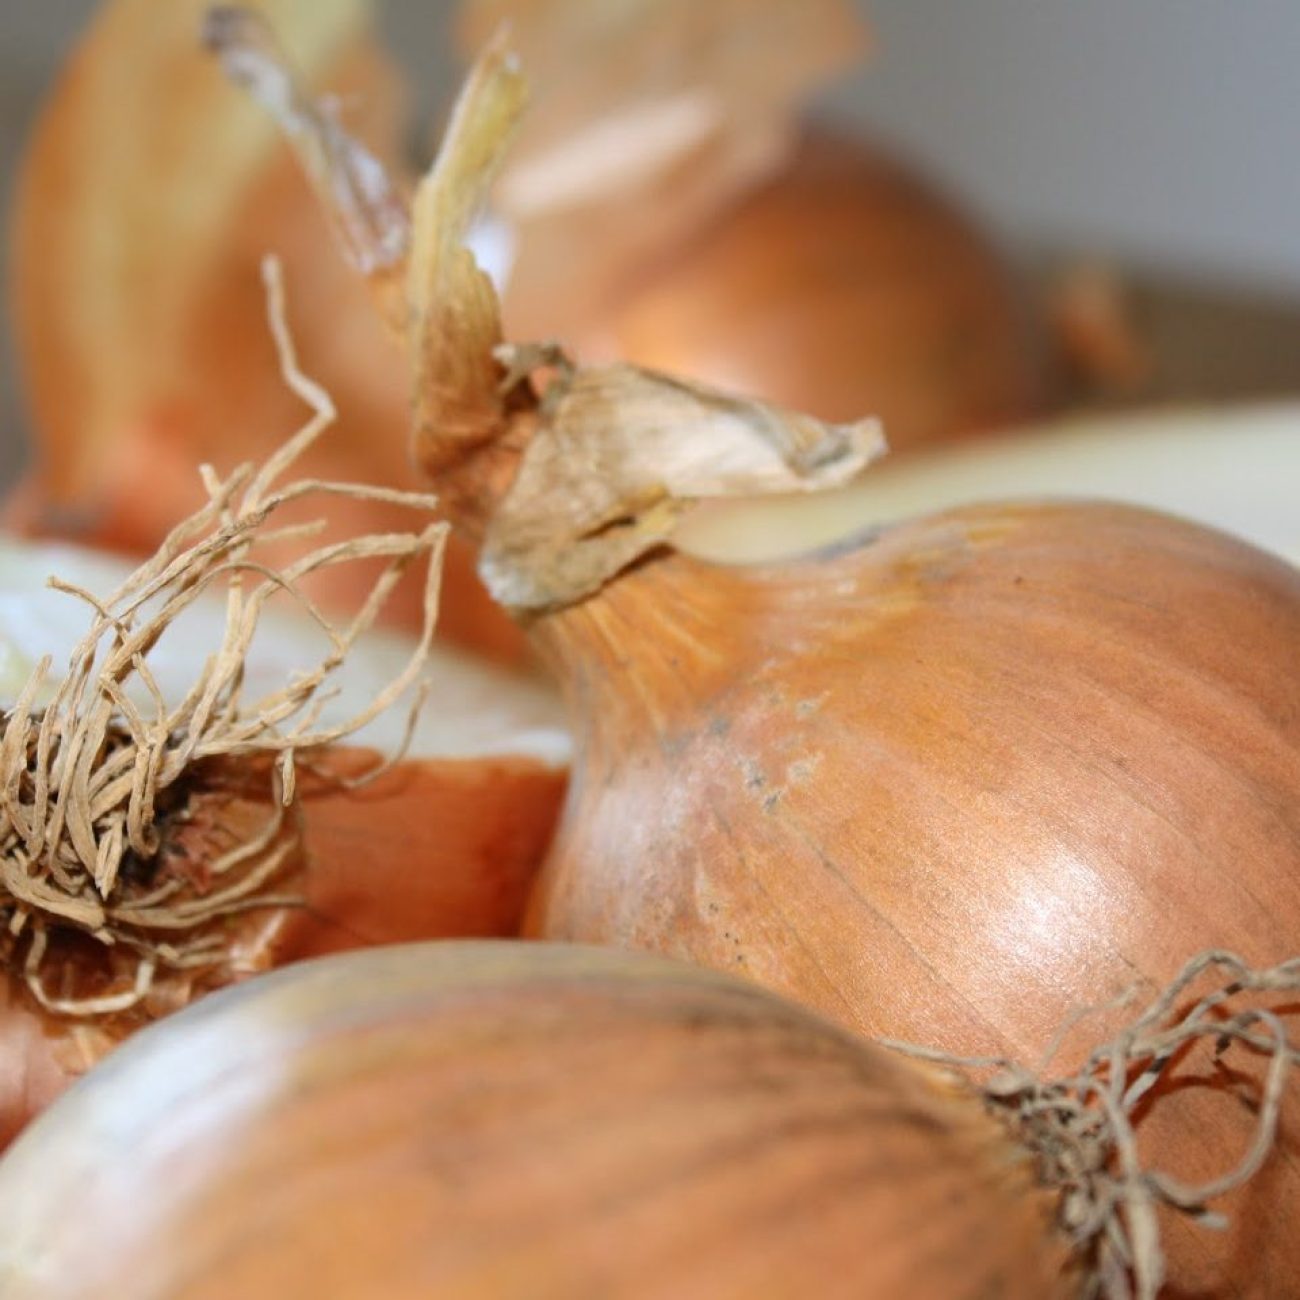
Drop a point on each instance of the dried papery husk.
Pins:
(620, 484)
(1234, 467)
(518, 1120)
(1103, 349)
(165, 833)
(147, 199)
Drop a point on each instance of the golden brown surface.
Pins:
(844, 287)
(431, 849)
(954, 783)
(516, 1121)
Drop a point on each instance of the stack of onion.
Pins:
(518, 1120)
(444, 843)
(946, 782)
(148, 196)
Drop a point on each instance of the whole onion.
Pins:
(843, 284)
(950, 782)
(668, 204)
(517, 1120)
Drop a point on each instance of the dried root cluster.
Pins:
(1083, 1127)
(99, 769)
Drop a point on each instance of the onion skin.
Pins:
(517, 1120)
(950, 784)
(433, 848)
(844, 286)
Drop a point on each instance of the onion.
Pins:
(948, 783)
(492, 1119)
(179, 808)
(668, 209)
(844, 284)
(512, 1120)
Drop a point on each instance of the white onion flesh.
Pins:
(1236, 469)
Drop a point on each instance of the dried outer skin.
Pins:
(517, 1120)
(952, 783)
(433, 848)
(845, 286)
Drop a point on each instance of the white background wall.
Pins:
(1166, 131)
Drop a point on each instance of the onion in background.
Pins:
(668, 208)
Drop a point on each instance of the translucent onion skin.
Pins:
(951, 783)
(844, 286)
(517, 1120)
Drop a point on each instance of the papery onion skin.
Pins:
(843, 286)
(951, 784)
(433, 848)
(517, 1120)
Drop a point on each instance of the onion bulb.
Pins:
(949, 782)
(516, 1120)
(844, 284)
(509, 1120)
(667, 208)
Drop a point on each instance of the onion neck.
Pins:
(659, 635)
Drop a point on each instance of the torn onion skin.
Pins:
(509, 1120)
(843, 285)
(433, 848)
(950, 783)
